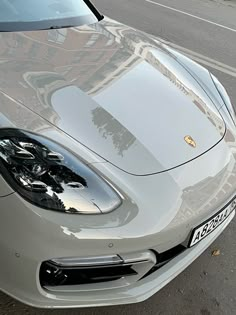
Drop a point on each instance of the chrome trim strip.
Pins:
(88, 262)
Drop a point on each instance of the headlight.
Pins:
(49, 176)
(225, 97)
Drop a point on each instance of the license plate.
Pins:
(211, 224)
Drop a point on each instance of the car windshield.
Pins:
(18, 15)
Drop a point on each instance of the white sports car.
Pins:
(117, 157)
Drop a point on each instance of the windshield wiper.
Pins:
(56, 27)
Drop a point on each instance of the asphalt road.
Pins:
(206, 31)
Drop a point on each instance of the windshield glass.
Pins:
(17, 15)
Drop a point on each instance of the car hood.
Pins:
(114, 90)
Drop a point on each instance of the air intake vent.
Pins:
(65, 273)
(53, 275)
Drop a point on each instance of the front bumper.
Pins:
(27, 271)
(158, 213)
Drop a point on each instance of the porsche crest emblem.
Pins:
(189, 140)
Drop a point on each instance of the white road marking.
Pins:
(192, 15)
(197, 55)
(202, 59)
(211, 65)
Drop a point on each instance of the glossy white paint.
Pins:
(122, 103)
(96, 110)
(32, 294)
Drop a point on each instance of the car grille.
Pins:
(52, 275)
(165, 257)
(116, 271)
(121, 270)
